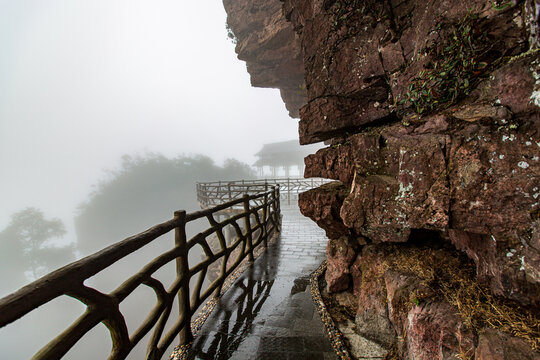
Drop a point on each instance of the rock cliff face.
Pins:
(266, 41)
(432, 113)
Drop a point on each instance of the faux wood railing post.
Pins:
(247, 225)
(277, 209)
(288, 191)
(265, 220)
(182, 270)
(229, 188)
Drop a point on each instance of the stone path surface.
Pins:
(268, 312)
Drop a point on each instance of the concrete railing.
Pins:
(214, 193)
(255, 219)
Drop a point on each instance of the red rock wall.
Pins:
(470, 170)
(465, 169)
(270, 48)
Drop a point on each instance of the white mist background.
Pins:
(84, 82)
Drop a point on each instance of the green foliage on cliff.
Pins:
(501, 5)
(230, 34)
(453, 68)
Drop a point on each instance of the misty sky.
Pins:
(84, 82)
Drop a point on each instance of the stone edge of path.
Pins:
(334, 334)
(180, 352)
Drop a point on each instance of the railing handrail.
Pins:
(40, 291)
(104, 308)
(269, 181)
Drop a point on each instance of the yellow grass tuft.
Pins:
(453, 279)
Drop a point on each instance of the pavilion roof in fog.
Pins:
(284, 153)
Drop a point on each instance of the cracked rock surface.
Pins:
(431, 148)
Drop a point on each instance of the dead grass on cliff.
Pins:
(454, 279)
(479, 308)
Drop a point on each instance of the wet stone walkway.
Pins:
(268, 312)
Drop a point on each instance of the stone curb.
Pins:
(334, 334)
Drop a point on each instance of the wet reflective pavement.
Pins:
(268, 312)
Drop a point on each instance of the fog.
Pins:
(84, 83)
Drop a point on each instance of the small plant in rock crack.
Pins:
(453, 67)
(343, 9)
(230, 34)
(499, 5)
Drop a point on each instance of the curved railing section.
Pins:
(258, 219)
(210, 194)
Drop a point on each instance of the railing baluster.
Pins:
(265, 220)
(182, 271)
(277, 209)
(247, 225)
(288, 191)
(223, 244)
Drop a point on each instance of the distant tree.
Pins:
(237, 170)
(144, 191)
(25, 247)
